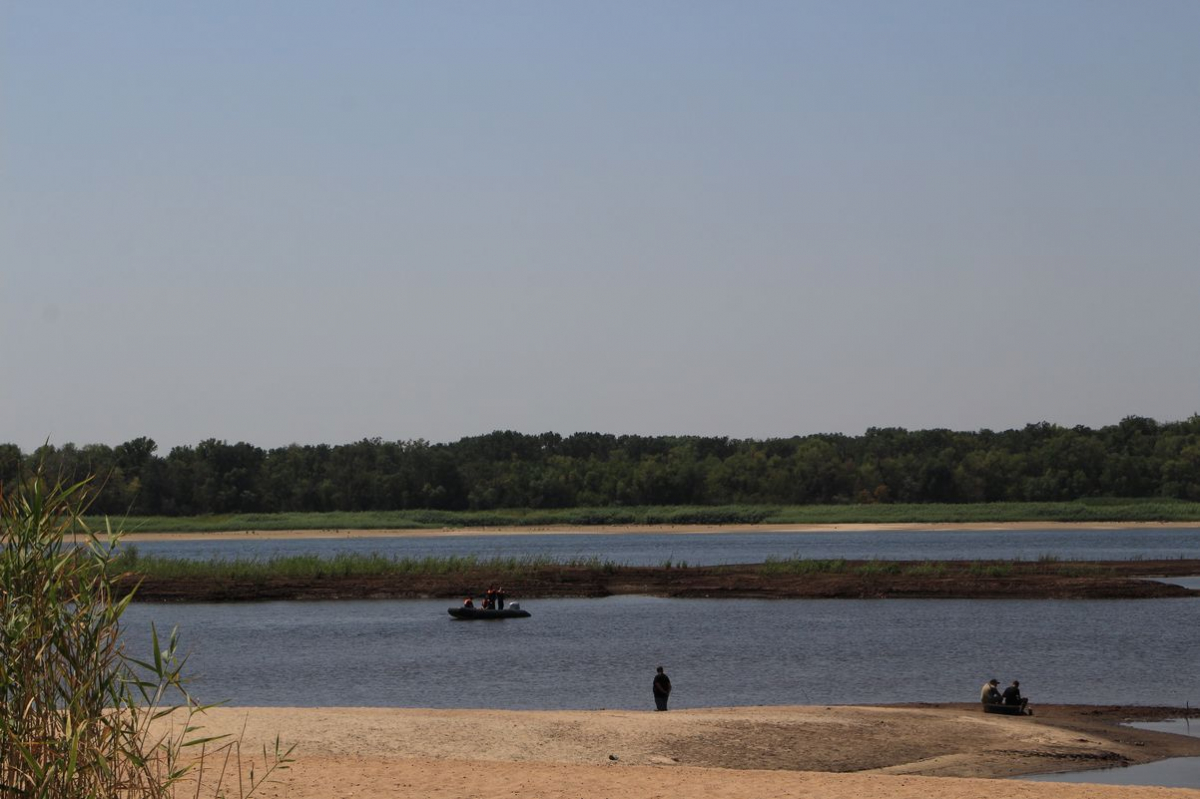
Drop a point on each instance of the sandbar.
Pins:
(648, 529)
(838, 752)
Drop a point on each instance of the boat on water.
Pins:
(513, 611)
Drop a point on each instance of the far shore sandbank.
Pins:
(648, 529)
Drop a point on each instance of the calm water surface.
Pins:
(601, 653)
(1187, 582)
(1189, 727)
(1175, 772)
(749, 547)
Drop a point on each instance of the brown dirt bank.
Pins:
(855, 580)
(927, 751)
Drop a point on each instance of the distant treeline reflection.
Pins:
(1137, 458)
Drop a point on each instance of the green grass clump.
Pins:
(990, 569)
(79, 717)
(798, 565)
(877, 567)
(931, 569)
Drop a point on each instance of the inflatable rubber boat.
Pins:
(513, 611)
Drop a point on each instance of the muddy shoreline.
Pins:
(854, 580)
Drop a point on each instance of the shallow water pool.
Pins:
(1175, 772)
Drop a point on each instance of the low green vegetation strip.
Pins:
(344, 566)
(380, 577)
(1084, 511)
(350, 566)
(934, 569)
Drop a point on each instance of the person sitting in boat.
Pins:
(489, 599)
(990, 694)
(1012, 695)
(469, 603)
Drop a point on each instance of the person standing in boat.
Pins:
(662, 689)
(499, 598)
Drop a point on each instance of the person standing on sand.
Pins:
(662, 689)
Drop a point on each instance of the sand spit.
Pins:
(924, 752)
(660, 529)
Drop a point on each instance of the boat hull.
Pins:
(479, 614)
(1006, 710)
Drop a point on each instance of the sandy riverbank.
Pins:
(659, 529)
(923, 752)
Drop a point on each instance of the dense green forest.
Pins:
(1137, 458)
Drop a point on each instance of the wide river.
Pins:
(601, 653)
(715, 548)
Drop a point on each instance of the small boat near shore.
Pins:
(514, 611)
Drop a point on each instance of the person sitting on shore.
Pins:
(990, 694)
(1012, 696)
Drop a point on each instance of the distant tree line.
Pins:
(1138, 457)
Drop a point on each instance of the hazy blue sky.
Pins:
(315, 222)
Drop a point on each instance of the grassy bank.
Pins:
(346, 566)
(1098, 511)
(1046, 565)
(351, 566)
(374, 577)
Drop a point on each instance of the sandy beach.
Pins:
(924, 752)
(657, 529)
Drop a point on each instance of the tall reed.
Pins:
(79, 717)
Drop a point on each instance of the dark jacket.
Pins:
(662, 684)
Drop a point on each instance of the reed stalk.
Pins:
(79, 716)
